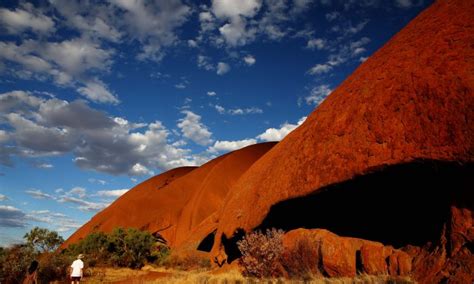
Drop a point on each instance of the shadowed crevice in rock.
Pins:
(207, 243)
(395, 205)
(230, 245)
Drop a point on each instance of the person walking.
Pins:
(32, 274)
(77, 268)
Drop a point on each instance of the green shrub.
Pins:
(15, 262)
(43, 240)
(124, 248)
(261, 253)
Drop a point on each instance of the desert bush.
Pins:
(302, 261)
(53, 266)
(160, 254)
(261, 253)
(131, 248)
(15, 262)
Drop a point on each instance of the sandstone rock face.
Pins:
(174, 203)
(411, 102)
(345, 257)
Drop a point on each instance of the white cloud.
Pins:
(59, 221)
(112, 193)
(237, 111)
(19, 20)
(249, 60)
(227, 146)
(48, 126)
(222, 68)
(318, 94)
(83, 205)
(72, 63)
(332, 16)
(277, 134)
(220, 109)
(3, 197)
(240, 111)
(203, 62)
(236, 33)
(320, 69)
(97, 91)
(77, 191)
(232, 9)
(153, 24)
(211, 93)
(140, 170)
(45, 166)
(316, 43)
(192, 43)
(193, 129)
(38, 194)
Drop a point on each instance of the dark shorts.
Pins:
(75, 278)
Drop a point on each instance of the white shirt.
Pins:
(77, 266)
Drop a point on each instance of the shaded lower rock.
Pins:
(346, 257)
(449, 260)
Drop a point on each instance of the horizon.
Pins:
(96, 98)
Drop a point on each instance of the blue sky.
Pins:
(96, 97)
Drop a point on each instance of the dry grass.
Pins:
(171, 276)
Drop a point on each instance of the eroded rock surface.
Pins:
(410, 102)
(174, 203)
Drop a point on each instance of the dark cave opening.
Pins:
(207, 243)
(230, 245)
(396, 205)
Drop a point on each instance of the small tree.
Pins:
(261, 253)
(43, 240)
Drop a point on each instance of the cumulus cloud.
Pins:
(222, 68)
(270, 134)
(20, 20)
(45, 126)
(277, 134)
(153, 24)
(232, 9)
(227, 146)
(236, 32)
(249, 60)
(66, 63)
(3, 197)
(11, 217)
(211, 93)
(193, 129)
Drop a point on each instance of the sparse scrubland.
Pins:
(134, 256)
